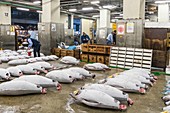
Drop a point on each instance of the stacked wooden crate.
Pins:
(158, 40)
(95, 53)
(64, 52)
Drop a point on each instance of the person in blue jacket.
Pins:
(35, 44)
(111, 38)
(84, 38)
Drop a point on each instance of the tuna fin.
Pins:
(90, 103)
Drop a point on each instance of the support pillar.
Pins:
(5, 14)
(104, 18)
(163, 12)
(51, 11)
(98, 23)
(131, 12)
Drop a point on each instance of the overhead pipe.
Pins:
(20, 5)
(78, 15)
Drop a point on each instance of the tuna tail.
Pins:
(130, 102)
(93, 76)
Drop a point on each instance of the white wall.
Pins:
(163, 13)
(133, 9)
(5, 19)
(64, 20)
(86, 25)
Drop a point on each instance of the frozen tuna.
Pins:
(18, 62)
(94, 67)
(4, 59)
(97, 99)
(75, 75)
(83, 72)
(113, 92)
(37, 67)
(27, 69)
(40, 81)
(69, 60)
(46, 65)
(14, 71)
(102, 65)
(124, 85)
(20, 88)
(60, 76)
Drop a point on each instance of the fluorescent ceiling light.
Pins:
(87, 8)
(24, 9)
(118, 17)
(95, 2)
(85, 1)
(96, 16)
(109, 6)
(37, 2)
(39, 11)
(121, 14)
(161, 2)
(72, 10)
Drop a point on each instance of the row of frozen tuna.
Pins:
(31, 68)
(31, 60)
(166, 98)
(109, 93)
(30, 84)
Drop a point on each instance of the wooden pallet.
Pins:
(131, 57)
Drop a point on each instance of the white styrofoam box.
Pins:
(129, 56)
(146, 62)
(121, 66)
(139, 50)
(122, 52)
(122, 63)
(121, 59)
(121, 55)
(147, 54)
(129, 64)
(129, 53)
(147, 58)
(138, 57)
(129, 60)
(113, 58)
(168, 70)
(113, 62)
(138, 53)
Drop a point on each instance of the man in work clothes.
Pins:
(111, 39)
(84, 38)
(35, 44)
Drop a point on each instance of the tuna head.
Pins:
(14, 71)
(4, 74)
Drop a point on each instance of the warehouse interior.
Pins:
(84, 56)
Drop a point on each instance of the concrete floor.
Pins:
(57, 101)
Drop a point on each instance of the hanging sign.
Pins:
(120, 29)
(130, 27)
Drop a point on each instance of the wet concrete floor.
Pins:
(59, 101)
